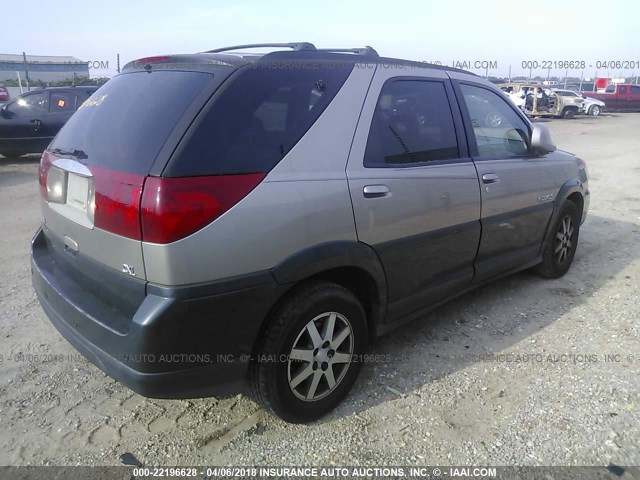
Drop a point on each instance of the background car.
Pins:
(541, 101)
(4, 94)
(590, 106)
(31, 120)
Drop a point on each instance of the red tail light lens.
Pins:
(43, 171)
(173, 208)
(117, 202)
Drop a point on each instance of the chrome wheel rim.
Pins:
(595, 110)
(320, 356)
(564, 241)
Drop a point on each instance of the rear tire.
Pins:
(308, 356)
(559, 252)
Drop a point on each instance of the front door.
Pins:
(21, 123)
(517, 192)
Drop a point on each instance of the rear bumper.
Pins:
(185, 342)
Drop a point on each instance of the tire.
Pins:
(559, 252)
(594, 110)
(568, 113)
(289, 363)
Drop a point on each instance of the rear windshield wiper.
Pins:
(79, 154)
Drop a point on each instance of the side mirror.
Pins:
(541, 142)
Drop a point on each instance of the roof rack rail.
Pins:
(366, 51)
(292, 45)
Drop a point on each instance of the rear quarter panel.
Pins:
(303, 201)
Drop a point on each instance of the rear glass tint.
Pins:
(125, 123)
(260, 115)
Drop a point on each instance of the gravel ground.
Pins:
(548, 396)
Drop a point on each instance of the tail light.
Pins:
(152, 209)
(43, 173)
(117, 202)
(173, 208)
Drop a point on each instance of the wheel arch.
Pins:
(572, 191)
(351, 264)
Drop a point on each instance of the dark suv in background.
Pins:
(29, 122)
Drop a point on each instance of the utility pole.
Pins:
(581, 78)
(26, 70)
(118, 62)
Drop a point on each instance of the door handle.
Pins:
(375, 191)
(490, 178)
(36, 125)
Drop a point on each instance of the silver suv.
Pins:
(224, 222)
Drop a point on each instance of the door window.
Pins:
(499, 131)
(62, 102)
(623, 90)
(412, 123)
(34, 103)
(635, 90)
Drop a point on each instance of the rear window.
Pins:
(125, 123)
(262, 113)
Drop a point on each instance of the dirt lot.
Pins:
(555, 400)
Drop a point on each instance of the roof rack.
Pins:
(366, 51)
(300, 46)
(293, 45)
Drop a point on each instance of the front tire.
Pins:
(559, 252)
(568, 113)
(307, 359)
(594, 110)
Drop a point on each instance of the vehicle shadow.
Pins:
(489, 320)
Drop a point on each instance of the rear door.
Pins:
(414, 188)
(517, 192)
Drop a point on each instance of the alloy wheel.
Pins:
(563, 240)
(320, 356)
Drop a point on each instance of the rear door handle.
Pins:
(375, 191)
(490, 178)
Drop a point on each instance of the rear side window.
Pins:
(62, 102)
(635, 90)
(259, 116)
(499, 131)
(124, 124)
(412, 123)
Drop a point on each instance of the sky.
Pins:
(503, 32)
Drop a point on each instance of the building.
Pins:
(41, 67)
